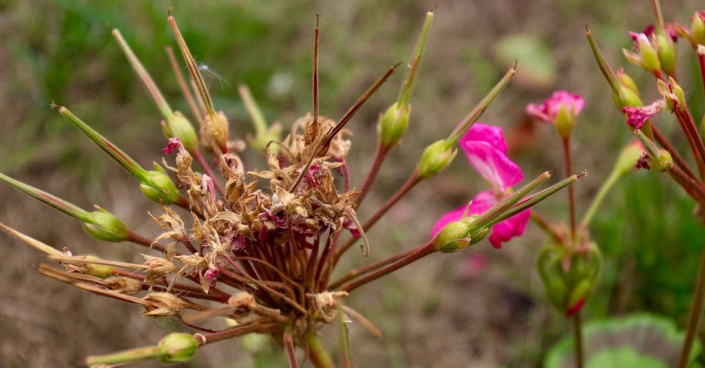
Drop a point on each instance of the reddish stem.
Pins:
(419, 253)
(370, 267)
(410, 183)
(380, 155)
(571, 194)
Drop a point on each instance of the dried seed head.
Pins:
(157, 266)
(124, 285)
(163, 304)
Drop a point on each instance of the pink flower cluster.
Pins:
(486, 149)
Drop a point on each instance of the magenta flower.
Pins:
(486, 149)
(548, 111)
(637, 116)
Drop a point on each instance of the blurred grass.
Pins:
(62, 51)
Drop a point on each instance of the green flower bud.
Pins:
(663, 162)
(666, 53)
(98, 270)
(649, 57)
(697, 28)
(104, 225)
(157, 186)
(179, 127)
(435, 158)
(177, 347)
(627, 97)
(393, 123)
(565, 121)
(627, 158)
(454, 236)
(625, 80)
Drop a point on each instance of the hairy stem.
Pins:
(316, 353)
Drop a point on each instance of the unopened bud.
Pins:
(627, 158)
(479, 235)
(666, 53)
(649, 57)
(157, 186)
(434, 159)
(178, 347)
(627, 97)
(454, 236)
(104, 225)
(98, 270)
(663, 162)
(565, 121)
(697, 28)
(393, 123)
(625, 80)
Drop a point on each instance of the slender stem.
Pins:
(183, 86)
(694, 139)
(571, 194)
(368, 268)
(659, 15)
(257, 326)
(209, 170)
(545, 226)
(127, 356)
(578, 336)
(316, 34)
(253, 110)
(345, 351)
(405, 188)
(316, 353)
(380, 155)
(696, 313)
(141, 240)
(701, 60)
(597, 200)
(289, 348)
(420, 252)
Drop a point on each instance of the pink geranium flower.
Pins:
(486, 149)
(548, 110)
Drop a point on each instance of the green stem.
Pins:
(144, 77)
(345, 353)
(316, 353)
(414, 62)
(127, 356)
(601, 62)
(597, 200)
(253, 109)
(479, 109)
(696, 314)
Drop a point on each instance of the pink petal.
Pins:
(490, 134)
(538, 112)
(637, 116)
(492, 164)
(548, 111)
(509, 228)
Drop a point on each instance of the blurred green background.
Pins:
(445, 311)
